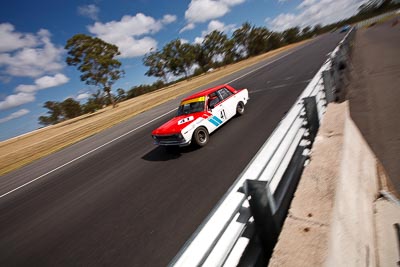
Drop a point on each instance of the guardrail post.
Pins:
(329, 87)
(335, 71)
(345, 53)
(310, 105)
(284, 193)
(260, 205)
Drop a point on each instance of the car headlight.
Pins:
(177, 136)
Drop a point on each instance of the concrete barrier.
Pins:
(351, 236)
(333, 217)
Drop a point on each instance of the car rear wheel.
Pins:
(201, 136)
(240, 108)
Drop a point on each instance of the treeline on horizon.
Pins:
(180, 61)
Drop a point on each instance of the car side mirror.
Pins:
(211, 106)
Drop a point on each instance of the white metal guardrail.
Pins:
(225, 235)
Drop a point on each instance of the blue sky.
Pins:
(33, 34)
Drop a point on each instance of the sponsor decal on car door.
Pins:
(218, 115)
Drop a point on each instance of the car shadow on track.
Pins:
(167, 153)
(172, 153)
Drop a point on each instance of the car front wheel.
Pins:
(201, 136)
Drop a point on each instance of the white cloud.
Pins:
(212, 26)
(188, 27)
(83, 96)
(129, 33)
(49, 81)
(312, 12)
(15, 115)
(43, 83)
(167, 19)
(205, 10)
(26, 88)
(129, 25)
(11, 40)
(16, 100)
(198, 40)
(90, 11)
(306, 3)
(219, 26)
(32, 55)
(28, 55)
(283, 21)
(131, 47)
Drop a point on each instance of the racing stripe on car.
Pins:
(215, 120)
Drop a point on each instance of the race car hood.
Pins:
(176, 124)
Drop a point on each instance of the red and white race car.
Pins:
(201, 114)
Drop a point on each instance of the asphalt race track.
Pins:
(129, 203)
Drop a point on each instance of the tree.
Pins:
(45, 120)
(187, 52)
(258, 40)
(70, 108)
(317, 29)
(369, 6)
(60, 111)
(214, 45)
(94, 102)
(374, 7)
(231, 54)
(121, 94)
(157, 65)
(96, 59)
(241, 38)
(201, 58)
(179, 57)
(54, 111)
(274, 41)
(306, 32)
(291, 35)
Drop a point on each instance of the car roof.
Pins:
(207, 91)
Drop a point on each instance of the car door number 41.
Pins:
(223, 114)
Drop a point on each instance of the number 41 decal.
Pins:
(223, 114)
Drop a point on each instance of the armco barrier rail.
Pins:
(243, 228)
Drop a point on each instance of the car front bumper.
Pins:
(171, 140)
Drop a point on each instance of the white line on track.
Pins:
(87, 153)
(137, 128)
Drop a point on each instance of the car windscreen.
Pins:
(191, 106)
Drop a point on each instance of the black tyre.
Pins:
(240, 108)
(201, 136)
